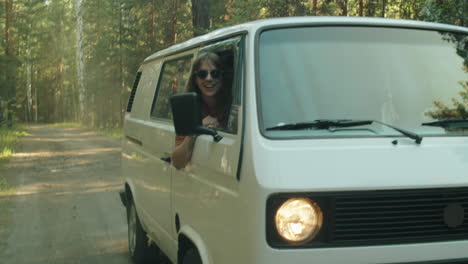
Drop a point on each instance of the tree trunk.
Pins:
(344, 7)
(174, 22)
(35, 103)
(121, 66)
(299, 8)
(314, 7)
(464, 14)
(59, 113)
(9, 49)
(10, 72)
(384, 6)
(361, 8)
(80, 59)
(371, 6)
(200, 17)
(59, 94)
(151, 28)
(28, 81)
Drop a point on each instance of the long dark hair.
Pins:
(223, 97)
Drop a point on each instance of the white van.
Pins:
(347, 142)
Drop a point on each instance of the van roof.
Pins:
(253, 26)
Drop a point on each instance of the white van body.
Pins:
(219, 204)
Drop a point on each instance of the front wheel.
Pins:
(138, 244)
(191, 256)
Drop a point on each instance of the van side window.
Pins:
(133, 92)
(229, 52)
(172, 80)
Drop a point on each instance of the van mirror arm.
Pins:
(209, 131)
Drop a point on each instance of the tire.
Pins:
(191, 256)
(138, 244)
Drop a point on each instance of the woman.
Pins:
(207, 82)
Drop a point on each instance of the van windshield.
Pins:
(401, 77)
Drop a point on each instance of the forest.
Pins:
(75, 60)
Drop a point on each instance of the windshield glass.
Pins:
(402, 77)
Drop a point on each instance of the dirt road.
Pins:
(65, 206)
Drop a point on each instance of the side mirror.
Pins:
(187, 117)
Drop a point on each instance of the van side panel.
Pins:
(158, 138)
(134, 156)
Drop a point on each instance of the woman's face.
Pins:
(209, 84)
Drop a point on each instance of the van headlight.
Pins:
(298, 220)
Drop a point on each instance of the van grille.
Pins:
(384, 217)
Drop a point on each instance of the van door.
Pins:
(134, 155)
(205, 191)
(159, 141)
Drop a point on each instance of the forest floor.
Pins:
(62, 204)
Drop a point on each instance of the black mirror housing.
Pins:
(186, 113)
(187, 117)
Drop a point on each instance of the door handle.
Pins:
(166, 159)
(134, 140)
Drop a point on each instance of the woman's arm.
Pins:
(183, 152)
(184, 148)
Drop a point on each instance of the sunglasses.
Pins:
(202, 74)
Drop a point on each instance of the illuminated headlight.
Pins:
(298, 220)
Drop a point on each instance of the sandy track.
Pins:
(65, 207)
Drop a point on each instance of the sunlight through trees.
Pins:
(75, 60)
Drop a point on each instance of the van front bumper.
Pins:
(450, 261)
(430, 253)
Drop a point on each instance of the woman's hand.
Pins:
(210, 121)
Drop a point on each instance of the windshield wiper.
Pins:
(321, 124)
(449, 123)
(417, 138)
(331, 123)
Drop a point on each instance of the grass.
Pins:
(5, 187)
(8, 145)
(9, 141)
(66, 124)
(111, 132)
(107, 132)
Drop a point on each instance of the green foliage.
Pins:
(119, 34)
(459, 110)
(450, 12)
(9, 141)
(8, 145)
